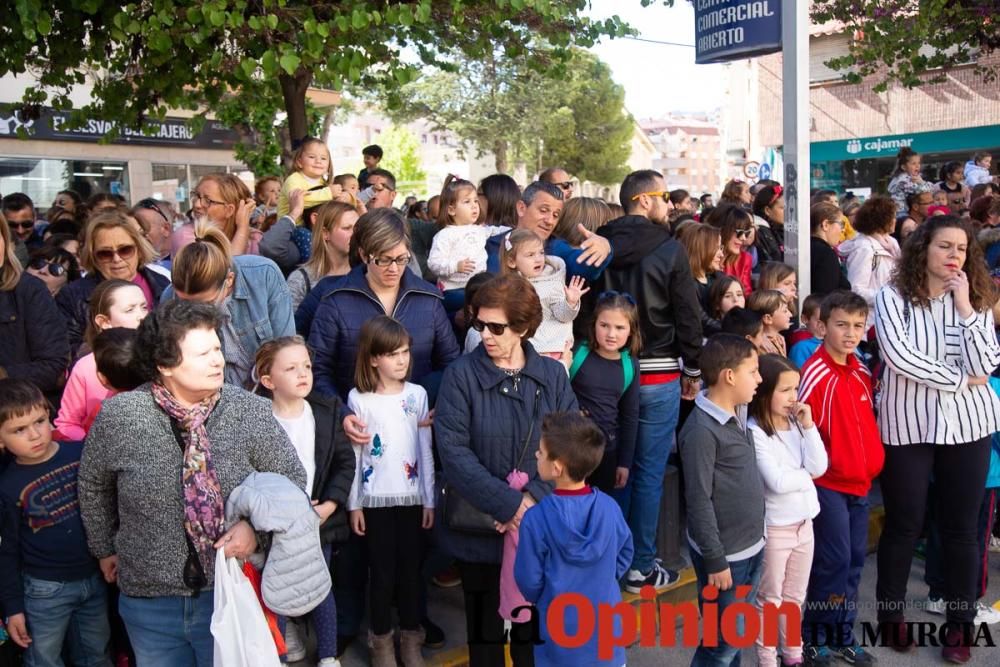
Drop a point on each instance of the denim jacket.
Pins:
(260, 306)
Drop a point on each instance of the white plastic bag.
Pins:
(242, 638)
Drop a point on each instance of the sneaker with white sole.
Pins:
(329, 662)
(658, 577)
(994, 543)
(987, 615)
(295, 649)
(936, 606)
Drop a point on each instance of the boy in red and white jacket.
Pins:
(838, 388)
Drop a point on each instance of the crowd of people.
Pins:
(485, 389)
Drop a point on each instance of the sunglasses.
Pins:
(496, 328)
(125, 252)
(150, 205)
(29, 224)
(743, 233)
(566, 185)
(665, 195)
(55, 268)
(612, 294)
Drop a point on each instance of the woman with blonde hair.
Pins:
(249, 289)
(587, 211)
(226, 202)
(331, 247)
(34, 339)
(113, 247)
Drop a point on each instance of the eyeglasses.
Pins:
(27, 224)
(565, 186)
(496, 328)
(743, 233)
(665, 195)
(611, 294)
(150, 205)
(197, 196)
(55, 268)
(400, 261)
(125, 252)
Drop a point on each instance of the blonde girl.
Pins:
(392, 496)
(113, 303)
(605, 378)
(523, 253)
(458, 250)
(283, 368)
(773, 309)
(331, 242)
(313, 175)
(790, 455)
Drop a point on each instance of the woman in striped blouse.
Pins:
(936, 413)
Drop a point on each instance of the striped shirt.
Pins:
(929, 354)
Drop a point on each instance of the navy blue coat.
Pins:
(74, 302)
(33, 335)
(350, 302)
(480, 426)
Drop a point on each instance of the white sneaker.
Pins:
(994, 543)
(936, 606)
(293, 643)
(987, 615)
(329, 662)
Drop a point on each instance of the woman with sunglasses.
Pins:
(488, 424)
(159, 465)
(31, 330)
(226, 202)
(736, 226)
(53, 266)
(113, 247)
(769, 216)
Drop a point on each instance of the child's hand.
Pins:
(356, 430)
(335, 190)
(621, 477)
(325, 509)
(428, 520)
(17, 628)
(721, 580)
(358, 522)
(575, 290)
(803, 414)
(466, 266)
(109, 568)
(428, 420)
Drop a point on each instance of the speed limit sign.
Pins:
(751, 169)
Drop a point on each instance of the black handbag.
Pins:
(460, 515)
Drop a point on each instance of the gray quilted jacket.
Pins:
(295, 578)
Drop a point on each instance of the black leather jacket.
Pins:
(653, 267)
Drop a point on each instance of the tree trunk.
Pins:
(500, 156)
(327, 123)
(293, 91)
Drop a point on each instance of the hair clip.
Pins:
(506, 242)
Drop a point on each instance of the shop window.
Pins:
(41, 179)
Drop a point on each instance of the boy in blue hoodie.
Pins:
(575, 540)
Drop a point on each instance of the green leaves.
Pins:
(290, 63)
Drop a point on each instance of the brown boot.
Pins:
(382, 650)
(410, 642)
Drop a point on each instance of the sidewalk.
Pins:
(446, 610)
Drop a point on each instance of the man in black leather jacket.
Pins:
(652, 266)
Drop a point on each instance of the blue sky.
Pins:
(658, 78)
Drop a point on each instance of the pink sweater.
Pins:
(81, 399)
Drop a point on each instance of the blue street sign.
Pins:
(733, 29)
(764, 173)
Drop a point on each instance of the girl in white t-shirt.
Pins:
(392, 497)
(283, 367)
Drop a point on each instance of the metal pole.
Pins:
(795, 136)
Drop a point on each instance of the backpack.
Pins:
(583, 352)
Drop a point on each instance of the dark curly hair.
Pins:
(159, 340)
(910, 276)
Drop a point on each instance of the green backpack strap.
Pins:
(628, 369)
(578, 358)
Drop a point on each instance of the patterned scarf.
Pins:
(204, 510)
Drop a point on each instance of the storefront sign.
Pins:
(733, 29)
(968, 139)
(52, 126)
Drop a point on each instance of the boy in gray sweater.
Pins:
(725, 495)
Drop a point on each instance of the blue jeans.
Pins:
(74, 612)
(170, 631)
(659, 406)
(745, 572)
